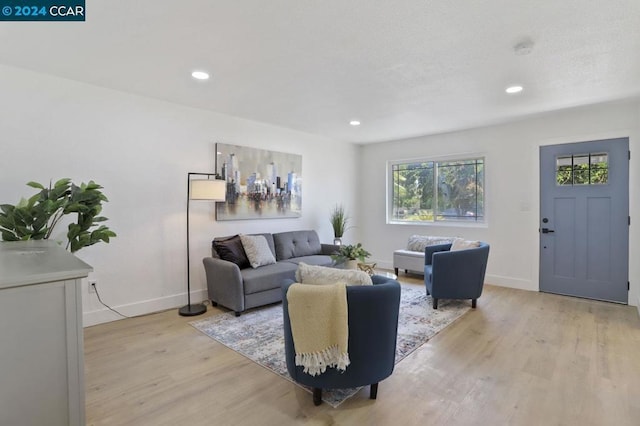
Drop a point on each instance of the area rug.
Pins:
(258, 335)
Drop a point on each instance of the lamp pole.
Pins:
(212, 190)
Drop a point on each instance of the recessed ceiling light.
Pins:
(200, 75)
(513, 89)
(354, 122)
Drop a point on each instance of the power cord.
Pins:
(105, 305)
(205, 302)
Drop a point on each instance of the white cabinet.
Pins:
(41, 344)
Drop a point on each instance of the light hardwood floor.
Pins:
(520, 358)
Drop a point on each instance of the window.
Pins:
(432, 191)
(582, 169)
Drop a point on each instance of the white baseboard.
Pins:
(382, 264)
(141, 308)
(498, 280)
(510, 282)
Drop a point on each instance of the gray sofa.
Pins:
(239, 287)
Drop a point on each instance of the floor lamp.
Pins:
(210, 189)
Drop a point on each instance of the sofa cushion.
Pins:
(296, 244)
(267, 277)
(419, 242)
(231, 250)
(257, 250)
(462, 244)
(310, 274)
(317, 260)
(409, 253)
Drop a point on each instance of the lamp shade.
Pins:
(208, 189)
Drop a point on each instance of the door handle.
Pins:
(547, 231)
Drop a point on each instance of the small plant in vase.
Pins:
(350, 255)
(339, 220)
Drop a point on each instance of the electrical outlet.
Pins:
(92, 286)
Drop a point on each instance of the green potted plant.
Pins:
(339, 220)
(350, 255)
(35, 218)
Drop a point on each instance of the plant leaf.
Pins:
(7, 208)
(9, 236)
(35, 185)
(62, 182)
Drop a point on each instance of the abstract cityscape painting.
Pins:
(261, 184)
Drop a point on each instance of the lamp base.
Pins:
(192, 310)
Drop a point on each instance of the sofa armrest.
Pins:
(224, 283)
(329, 249)
(429, 250)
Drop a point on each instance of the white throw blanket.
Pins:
(319, 325)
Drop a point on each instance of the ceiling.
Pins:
(403, 68)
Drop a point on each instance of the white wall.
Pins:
(140, 150)
(512, 188)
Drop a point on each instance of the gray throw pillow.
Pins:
(257, 250)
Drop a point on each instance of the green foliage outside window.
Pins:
(585, 169)
(434, 191)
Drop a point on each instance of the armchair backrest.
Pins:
(373, 328)
(459, 274)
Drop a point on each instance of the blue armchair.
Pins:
(373, 328)
(455, 274)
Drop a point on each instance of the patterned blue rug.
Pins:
(257, 334)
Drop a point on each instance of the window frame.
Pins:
(479, 223)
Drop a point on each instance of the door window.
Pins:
(582, 169)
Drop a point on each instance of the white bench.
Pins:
(412, 258)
